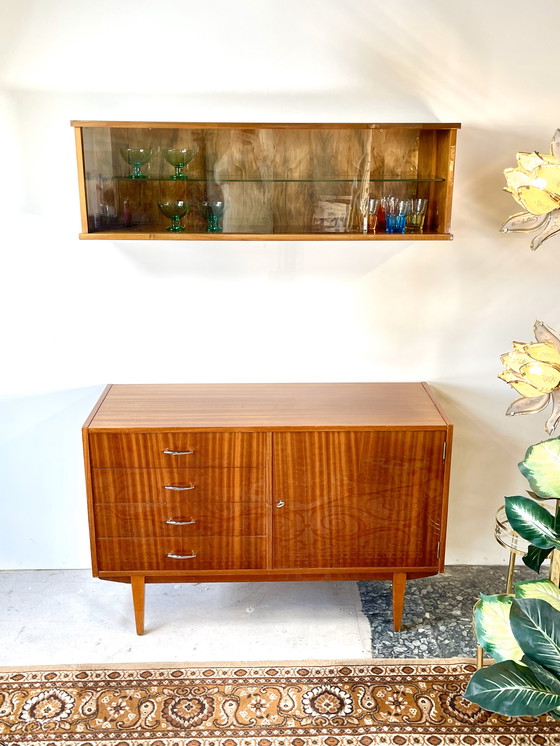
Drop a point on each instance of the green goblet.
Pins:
(212, 211)
(174, 211)
(180, 158)
(136, 157)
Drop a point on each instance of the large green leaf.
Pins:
(541, 466)
(510, 688)
(535, 557)
(545, 676)
(543, 588)
(533, 522)
(493, 630)
(536, 626)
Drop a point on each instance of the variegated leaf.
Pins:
(541, 467)
(492, 628)
(543, 588)
(532, 522)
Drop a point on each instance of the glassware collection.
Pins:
(386, 214)
(395, 215)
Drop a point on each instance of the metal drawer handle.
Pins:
(178, 488)
(169, 452)
(179, 522)
(181, 556)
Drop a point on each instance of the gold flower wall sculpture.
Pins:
(533, 370)
(535, 185)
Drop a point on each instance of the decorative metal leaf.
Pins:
(524, 221)
(541, 467)
(552, 422)
(492, 627)
(550, 229)
(510, 688)
(532, 522)
(535, 557)
(544, 589)
(555, 145)
(528, 405)
(536, 626)
(544, 333)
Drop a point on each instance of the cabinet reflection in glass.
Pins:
(174, 211)
(136, 157)
(212, 211)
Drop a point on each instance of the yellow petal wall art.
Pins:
(535, 185)
(533, 370)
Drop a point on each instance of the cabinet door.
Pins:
(358, 499)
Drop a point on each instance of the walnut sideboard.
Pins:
(267, 482)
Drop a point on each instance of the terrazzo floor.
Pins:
(437, 617)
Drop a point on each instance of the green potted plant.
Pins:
(522, 634)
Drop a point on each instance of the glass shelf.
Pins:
(213, 180)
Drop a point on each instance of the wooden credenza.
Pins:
(239, 482)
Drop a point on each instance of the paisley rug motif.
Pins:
(358, 703)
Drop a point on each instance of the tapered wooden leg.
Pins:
(399, 587)
(138, 593)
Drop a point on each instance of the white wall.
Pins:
(76, 315)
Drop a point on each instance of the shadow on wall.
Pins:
(44, 520)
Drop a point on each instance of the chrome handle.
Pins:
(179, 522)
(178, 488)
(180, 556)
(169, 452)
(280, 504)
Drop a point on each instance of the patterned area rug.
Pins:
(367, 703)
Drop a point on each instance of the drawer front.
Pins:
(177, 449)
(191, 487)
(175, 519)
(358, 499)
(203, 553)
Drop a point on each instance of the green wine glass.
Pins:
(136, 157)
(180, 159)
(174, 210)
(212, 211)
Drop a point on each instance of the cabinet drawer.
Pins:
(177, 520)
(176, 449)
(191, 487)
(206, 553)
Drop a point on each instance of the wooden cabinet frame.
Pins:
(267, 482)
(278, 181)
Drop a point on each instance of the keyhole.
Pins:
(280, 504)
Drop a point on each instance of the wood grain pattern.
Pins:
(212, 553)
(255, 407)
(214, 485)
(131, 450)
(357, 499)
(291, 482)
(152, 519)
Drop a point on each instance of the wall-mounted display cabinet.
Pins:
(154, 180)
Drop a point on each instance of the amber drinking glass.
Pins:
(174, 211)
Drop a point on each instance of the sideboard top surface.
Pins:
(266, 407)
